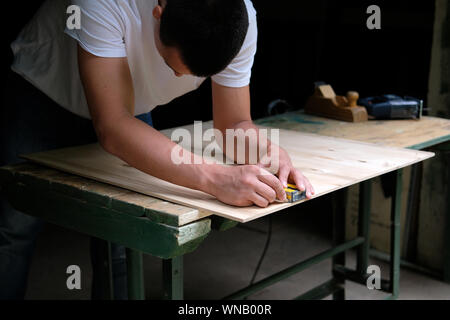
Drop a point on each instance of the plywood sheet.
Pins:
(329, 163)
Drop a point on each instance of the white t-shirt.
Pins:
(45, 52)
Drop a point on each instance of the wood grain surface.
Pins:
(416, 134)
(330, 164)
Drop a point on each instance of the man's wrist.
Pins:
(206, 176)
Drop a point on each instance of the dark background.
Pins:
(300, 42)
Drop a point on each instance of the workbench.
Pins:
(145, 225)
(430, 133)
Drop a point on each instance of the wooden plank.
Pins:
(329, 163)
(37, 198)
(414, 134)
(97, 193)
(149, 206)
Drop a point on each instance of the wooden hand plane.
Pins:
(325, 103)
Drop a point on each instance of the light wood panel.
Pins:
(395, 133)
(329, 163)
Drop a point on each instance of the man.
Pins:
(131, 56)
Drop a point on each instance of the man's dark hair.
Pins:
(208, 33)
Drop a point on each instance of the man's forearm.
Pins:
(148, 150)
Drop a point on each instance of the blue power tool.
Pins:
(390, 106)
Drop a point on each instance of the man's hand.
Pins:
(286, 171)
(244, 185)
(232, 111)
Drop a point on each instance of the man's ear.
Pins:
(157, 12)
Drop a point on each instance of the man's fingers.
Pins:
(275, 183)
(302, 181)
(266, 191)
(284, 175)
(310, 186)
(258, 200)
(299, 180)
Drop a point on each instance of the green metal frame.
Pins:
(365, 192)
(104, 269)
(360, 274)
(442, 144)
(281, 275)
(98, 216)
(135, 275)
(395, 234)
(173, 275)
(141, 235)
(336, 285)
(445, 147)
(339, 201)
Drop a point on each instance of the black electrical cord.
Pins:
(278, 106)
(270, 110)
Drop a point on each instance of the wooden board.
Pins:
(416, 134)
(329, 163)
(119, 199)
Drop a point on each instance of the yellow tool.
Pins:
(293, 194)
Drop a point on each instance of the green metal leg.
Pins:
(103, 288)
(395, 234)
(447, 240)
(322, 291)
(135, 274)
(339, 203)
(362, 258)
(446, 149)
(173, 278)
(334, 285)
(410, 229)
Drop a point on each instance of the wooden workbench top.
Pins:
(329, 163)
(401, 133)
(120, 199)
(413, 134)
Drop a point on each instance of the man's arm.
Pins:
(231, 110)
(109, 91)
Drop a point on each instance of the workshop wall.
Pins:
(300, 42)
(434, 203)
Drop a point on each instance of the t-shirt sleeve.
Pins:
(102, 28)
(238, 72)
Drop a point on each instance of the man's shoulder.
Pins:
(250, 10)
